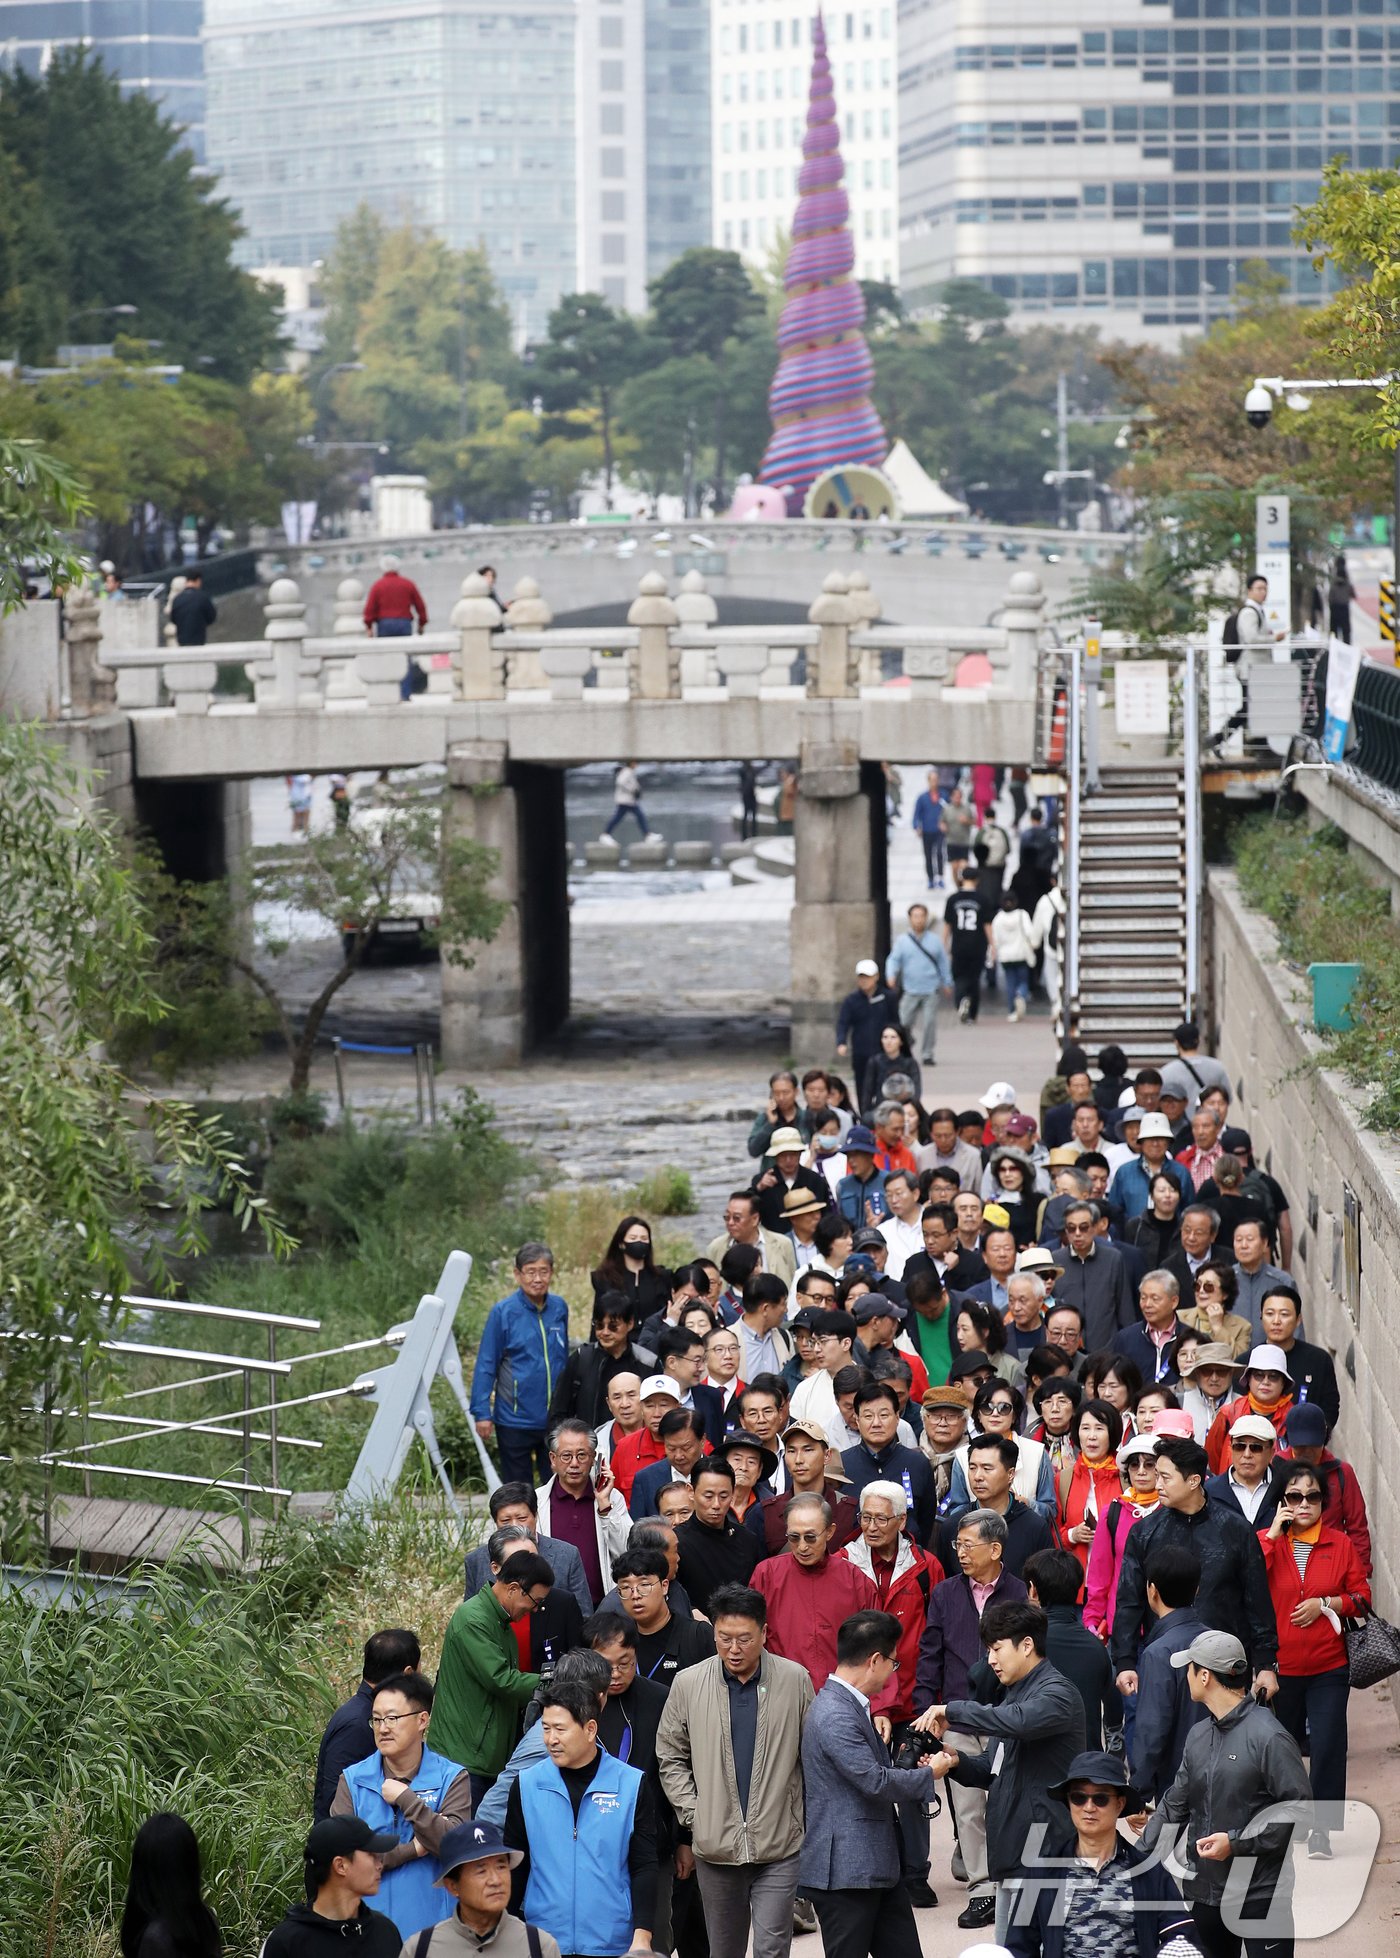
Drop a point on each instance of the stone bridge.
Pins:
(511, 704)
(955, 573)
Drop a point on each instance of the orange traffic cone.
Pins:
(1059, 727)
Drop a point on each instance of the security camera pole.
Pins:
(1271, 388)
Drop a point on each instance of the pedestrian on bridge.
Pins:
(391, 606)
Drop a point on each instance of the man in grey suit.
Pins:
(515, 1502)
(851, 1866)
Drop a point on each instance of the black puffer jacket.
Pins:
(1234, 1594)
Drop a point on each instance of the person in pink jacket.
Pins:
(1137, 1460)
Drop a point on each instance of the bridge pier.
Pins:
(516, 992)
(841, 912)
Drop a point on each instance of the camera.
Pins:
(1258, 407)
(915, 1748)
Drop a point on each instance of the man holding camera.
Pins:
(851, 1866)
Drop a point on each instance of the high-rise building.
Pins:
(1119, 161)
(567, 138)
(759, 54)
(153, 45)
(457, 116)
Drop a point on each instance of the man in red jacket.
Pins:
(810, 1593)
(904, 1576)
(393, 603)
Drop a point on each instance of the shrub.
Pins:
(666, 1192)
(1324, 909)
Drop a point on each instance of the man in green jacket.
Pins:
(480, 1687)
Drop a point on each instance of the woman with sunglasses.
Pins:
(1216, 1291)
(1316, 1581)
(998, 1408)
(1094, 1481)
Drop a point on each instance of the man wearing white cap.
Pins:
(660, 1395)
(1131, 1188)
(863, 1013)
(1247, 1481)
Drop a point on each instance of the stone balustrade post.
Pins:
(1021, 622)
(278, 679)
(741, 664)
(926, 669)
(190, 683)
(866, 607)
(342, 676)
(93, 687)
(696, 610)
(481, 661)
(831, 662)
(527, 612)
(656, 674)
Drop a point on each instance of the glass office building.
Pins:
(153, 45)
(1120, 161)
(458, 116)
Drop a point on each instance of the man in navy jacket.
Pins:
(1166, 1713)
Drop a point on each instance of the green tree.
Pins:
(668, 413)
(701, 305)
(347, 279)
(113, 213)
(389, 856)
(97, 1181)
(1354, 227)
(40, 502)
(591, 352)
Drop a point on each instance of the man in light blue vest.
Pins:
(407, 1791)
(585, 1825)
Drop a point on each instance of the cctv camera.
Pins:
(1258, 407)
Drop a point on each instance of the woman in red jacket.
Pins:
(1315, 1580)
(1268, 1391)
(1096, 1482)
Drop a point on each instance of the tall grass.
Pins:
(207, 1696)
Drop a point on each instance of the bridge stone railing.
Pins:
(670, 649)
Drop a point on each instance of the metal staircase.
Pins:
(1130, 980)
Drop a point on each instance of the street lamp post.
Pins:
(1269, 389)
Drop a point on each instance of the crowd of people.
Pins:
(982, 1458)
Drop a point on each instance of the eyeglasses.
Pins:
(1089, 1797)
(1251, 1447)
(999, 1407)
(572, 1457)
(535, 1604)
(612, 1325)
(805, 1536)
(393, 1719)
(1296, 1497)
(1208, 1285)
(868, 1516)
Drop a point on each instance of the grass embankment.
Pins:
(1325, 910)
(207, 1696)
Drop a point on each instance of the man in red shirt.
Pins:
(810, 1593)
(634, 1452)
(393, 603)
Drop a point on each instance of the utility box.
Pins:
(1333, 986)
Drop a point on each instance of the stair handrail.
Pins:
(1070, 999)
(1191, 786)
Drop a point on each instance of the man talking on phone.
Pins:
(582, 1505)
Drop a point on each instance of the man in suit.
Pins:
(681, 1355)
(851, 1866)
(742, 1226)
(516, 1502)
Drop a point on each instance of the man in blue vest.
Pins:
(524, 1349)
(585, 1826)
(406, 1791)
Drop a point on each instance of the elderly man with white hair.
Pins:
(391, 606)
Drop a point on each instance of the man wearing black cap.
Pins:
(344, 1863)
(1098, 1895)
(476, 1870)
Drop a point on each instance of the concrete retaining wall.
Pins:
(1306, 1125)
(1367, 815)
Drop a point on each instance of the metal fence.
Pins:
(1373, 748)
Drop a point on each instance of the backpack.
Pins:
(1230, 638)
(532, 1936)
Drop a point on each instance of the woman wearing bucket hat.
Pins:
(1108, 1898)
(1207, 1378)
(1268, 1386)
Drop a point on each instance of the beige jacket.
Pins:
(696, 1762)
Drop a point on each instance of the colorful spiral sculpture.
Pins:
(820, 401)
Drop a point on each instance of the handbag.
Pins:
(1373, 1649)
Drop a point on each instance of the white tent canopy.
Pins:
(919, 495)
